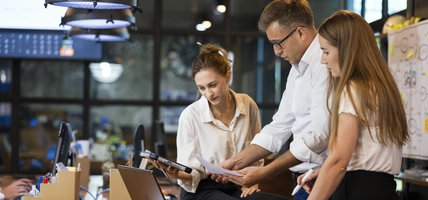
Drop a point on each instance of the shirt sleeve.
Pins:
(256, 124)
(275, 134)
(346, 103)
(2, 197)
(310, 145)
(186, 145)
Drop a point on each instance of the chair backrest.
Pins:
(160, 144)
(6, 150)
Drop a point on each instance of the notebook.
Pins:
(141, 183)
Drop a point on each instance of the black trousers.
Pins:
(208, 189)
(366, 185)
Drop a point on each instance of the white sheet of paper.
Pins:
(214, 169)
(303, 167)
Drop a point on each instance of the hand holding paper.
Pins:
(214, 169)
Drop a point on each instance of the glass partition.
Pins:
(177, 55)
(5, 78)
(38, 129)
(133, 69)
(52, 79)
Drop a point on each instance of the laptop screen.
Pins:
(141, 183)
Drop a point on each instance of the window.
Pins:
(5, 78)
(52, 79)
(177, 55)
(135, 82)
(373, 10)
(395, 6)
(354, 5)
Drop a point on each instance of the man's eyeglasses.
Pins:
(278, 44)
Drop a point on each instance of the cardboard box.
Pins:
(67, 187)
(118, 189)
(84, 170)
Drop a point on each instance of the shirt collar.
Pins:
(207, 115)
(308, 56)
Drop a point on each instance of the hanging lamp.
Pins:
(98, 19)
(96, 4)
(100, 35)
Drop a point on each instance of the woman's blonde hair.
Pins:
(363, 66)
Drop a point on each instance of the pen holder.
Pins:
(67, 187)
(85, 166)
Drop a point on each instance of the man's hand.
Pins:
(252, 175)
(16, 189)
(227, 164)
(310, 180)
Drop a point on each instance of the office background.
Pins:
(38, 92)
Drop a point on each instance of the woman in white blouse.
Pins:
(369, 126)
(217, 126)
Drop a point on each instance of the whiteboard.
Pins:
(408, 62)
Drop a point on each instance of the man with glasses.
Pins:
(302, 112)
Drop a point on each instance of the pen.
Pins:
(298, 187)
(164, 172)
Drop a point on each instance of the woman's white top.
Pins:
(200, 133)
(369, 154)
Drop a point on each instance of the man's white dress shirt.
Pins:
(302, 111)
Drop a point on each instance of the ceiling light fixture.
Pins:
(98, 19)
(101, 35)
(207, 24)
(96, 4)
(221, 6)
(106, 72)
(200, 27)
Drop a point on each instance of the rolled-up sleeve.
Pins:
(274, 135)
(186, 141)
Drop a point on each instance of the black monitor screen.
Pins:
(139, 145)
(65, 137)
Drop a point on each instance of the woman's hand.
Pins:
(310, 180)
(249, 191)
(169, 172)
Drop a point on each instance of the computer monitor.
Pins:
(159, 139)
(139, 145)
(63, 152)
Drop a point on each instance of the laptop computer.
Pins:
(141, 183)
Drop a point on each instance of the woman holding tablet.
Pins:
(217, 126)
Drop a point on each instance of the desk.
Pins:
(413, 187)
(418, 180)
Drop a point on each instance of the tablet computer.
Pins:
(166, 161)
